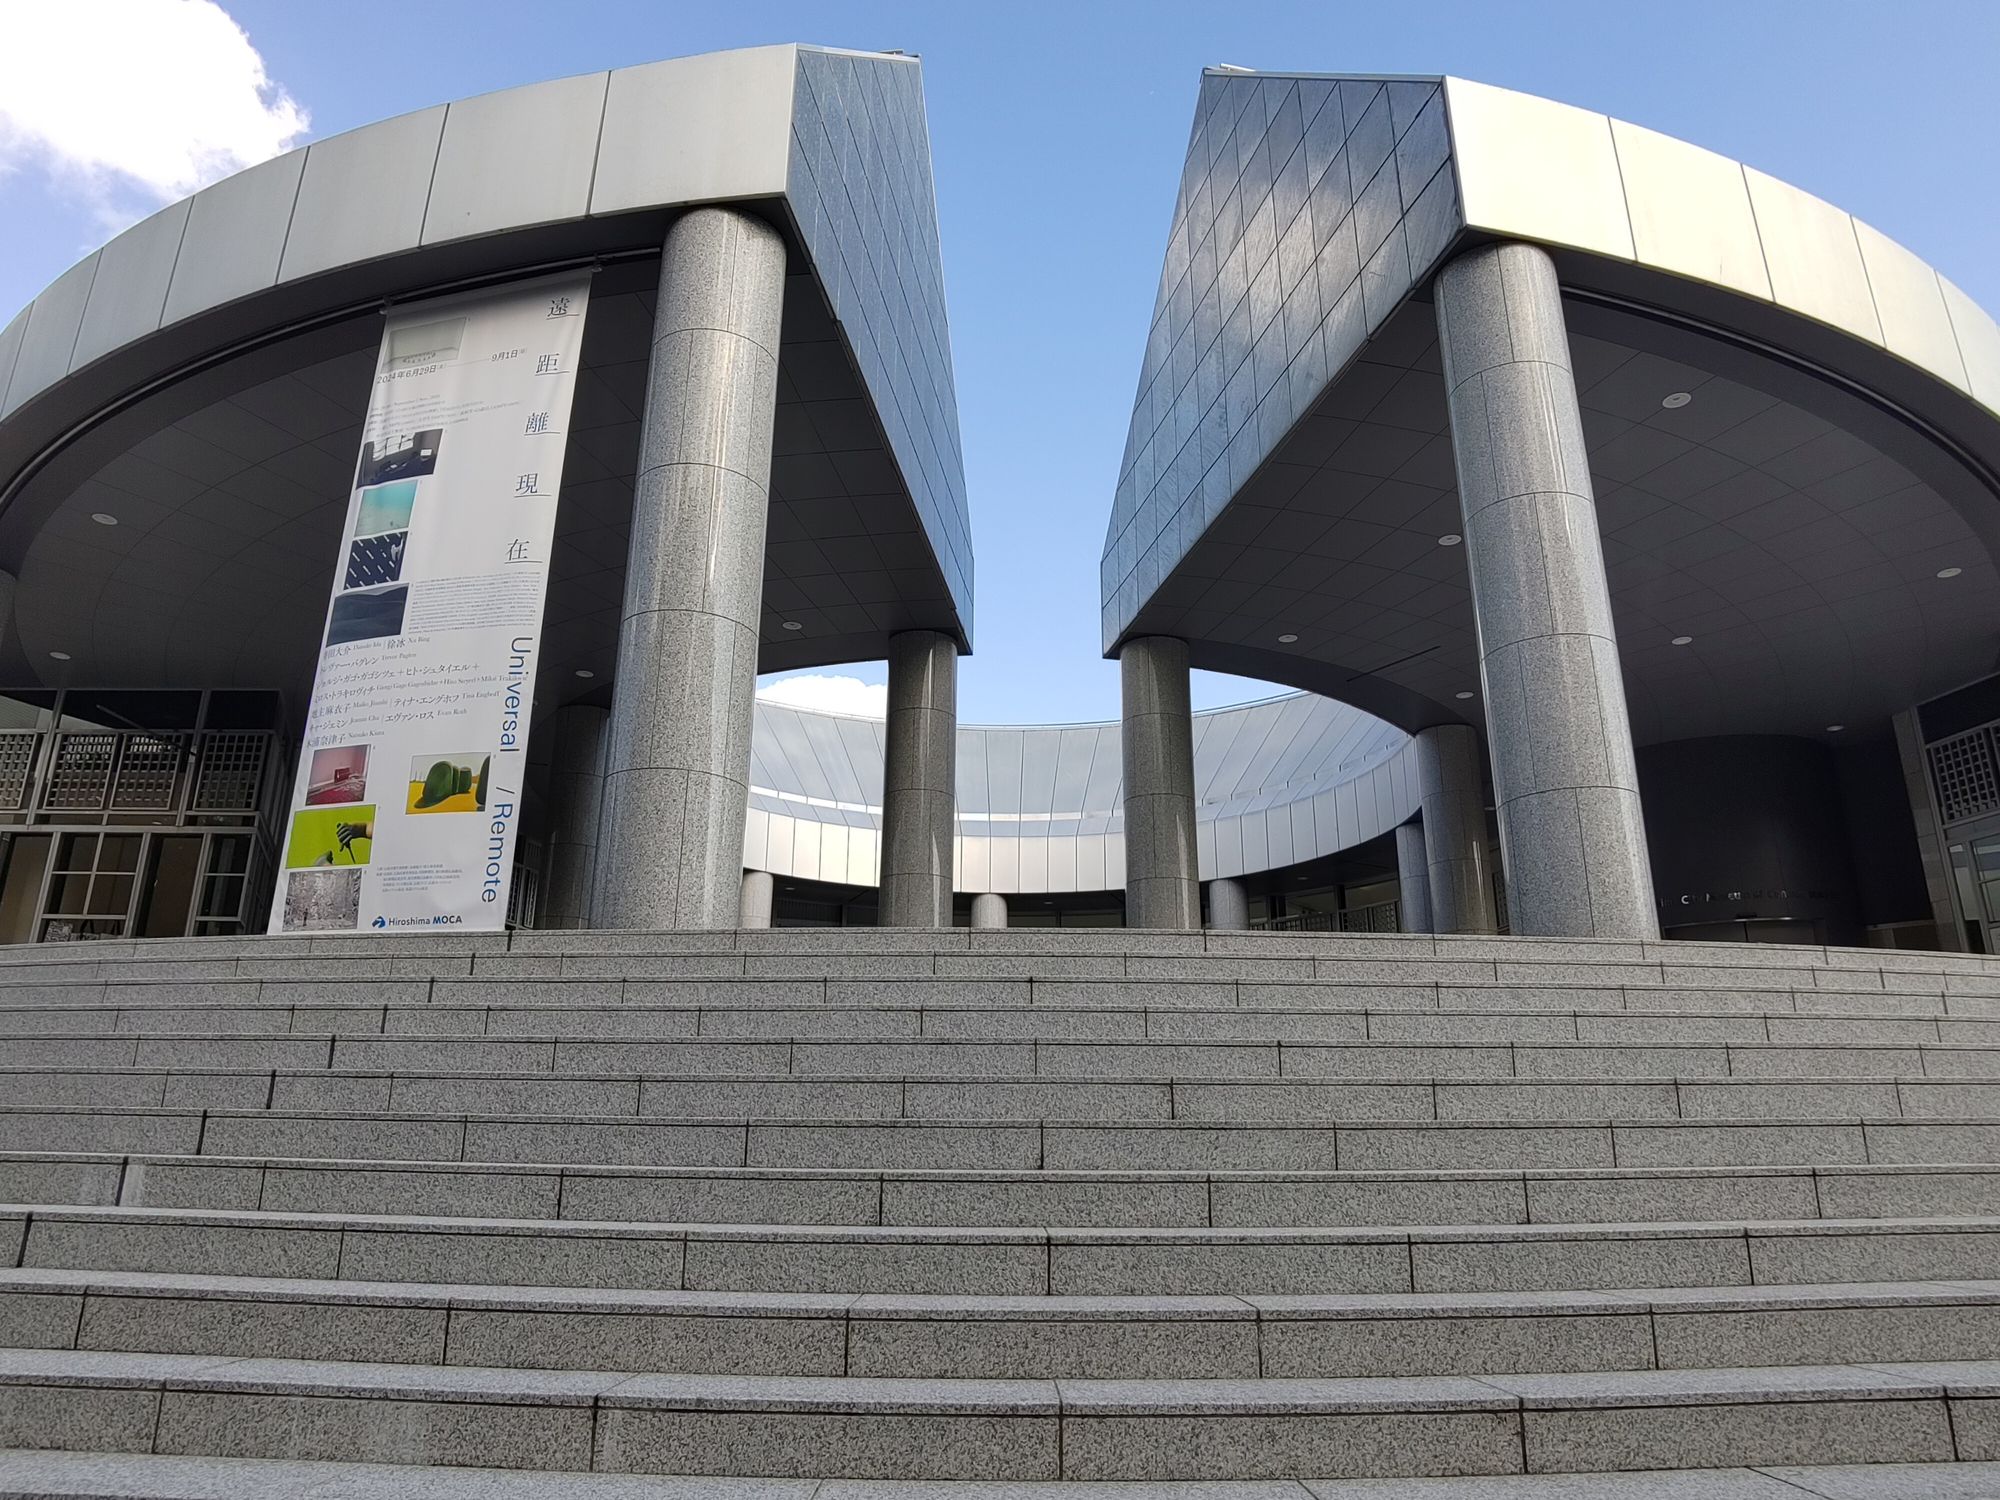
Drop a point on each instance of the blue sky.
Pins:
(1058, 132)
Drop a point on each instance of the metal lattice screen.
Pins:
(148, 772)
(230, 773)
(80, 775)
(1964, 775)
(17, 767)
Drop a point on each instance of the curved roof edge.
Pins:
(1039, 807)
(1634, 216)
(506, 183)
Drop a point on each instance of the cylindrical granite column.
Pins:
(576, 794)
(919, 780)
(754, 909)
(1161, 887)
(989, 911)
(677, 769)
(1459, 866)
(1565, 782)
(1413, 879)
(1228, 905)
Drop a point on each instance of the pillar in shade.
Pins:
(1161, 887)
(1228, 905)
(1459, 864)
(989, 911)
(754, 909)
(677, 768)
(576, 793)
(1413, 879)
(1565, 781)
(919, 780)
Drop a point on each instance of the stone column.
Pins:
(1228, 905)
(576, 793)
(1161, 887)
(754, 908)
(989, 911)
(677, 768)
(1459, 867)
(919, 780)
(1565, 782)
(1413, 877)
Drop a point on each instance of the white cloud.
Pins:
(130, 104)
(840, 695)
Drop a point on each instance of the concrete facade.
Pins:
(1413, 879)
(1459, 881)
(755, 906)
(677, 765)
(919, 777)
(1567, 787)
(1228, 906)
(1162, 888)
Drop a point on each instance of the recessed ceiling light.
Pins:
(103, 518)
(585, 672)
(1286, 640)
(1465, 695)
(1835, 728)
(1949, 572)
(59, 656)
(1450, 539)
(1683, 640)
(1676, 401)
(793, 625)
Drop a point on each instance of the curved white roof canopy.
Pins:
(1040, 807)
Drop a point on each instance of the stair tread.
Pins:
(1414, 1305)
(857, 1394)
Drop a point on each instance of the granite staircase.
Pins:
(807, 1213)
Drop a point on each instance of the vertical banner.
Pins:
(404, 810)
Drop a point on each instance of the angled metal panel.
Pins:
(519, 157)
(129, 291)
(363, 193)
(235, 237)
(696, 129)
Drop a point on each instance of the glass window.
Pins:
(88, 709)
(27, 710)
(242, 711)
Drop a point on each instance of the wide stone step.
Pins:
(784, 1426)
(952, 1145)
(97, 1476)
(1117, 1005)
(1018, 953)
(985, 1041)
(999, 1262)
(987, 1337)
(1024, 1199)
(812, 1095)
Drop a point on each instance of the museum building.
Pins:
(1507, 1062)
(1706, 650)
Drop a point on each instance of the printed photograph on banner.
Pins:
(386, 508)
(337, 776)
(322, 901)
(367, 615)
(449, 783)
(377, 559)
(335, 836)
(407, 456)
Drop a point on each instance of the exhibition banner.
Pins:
(403, 813)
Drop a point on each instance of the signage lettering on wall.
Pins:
(403, 812)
